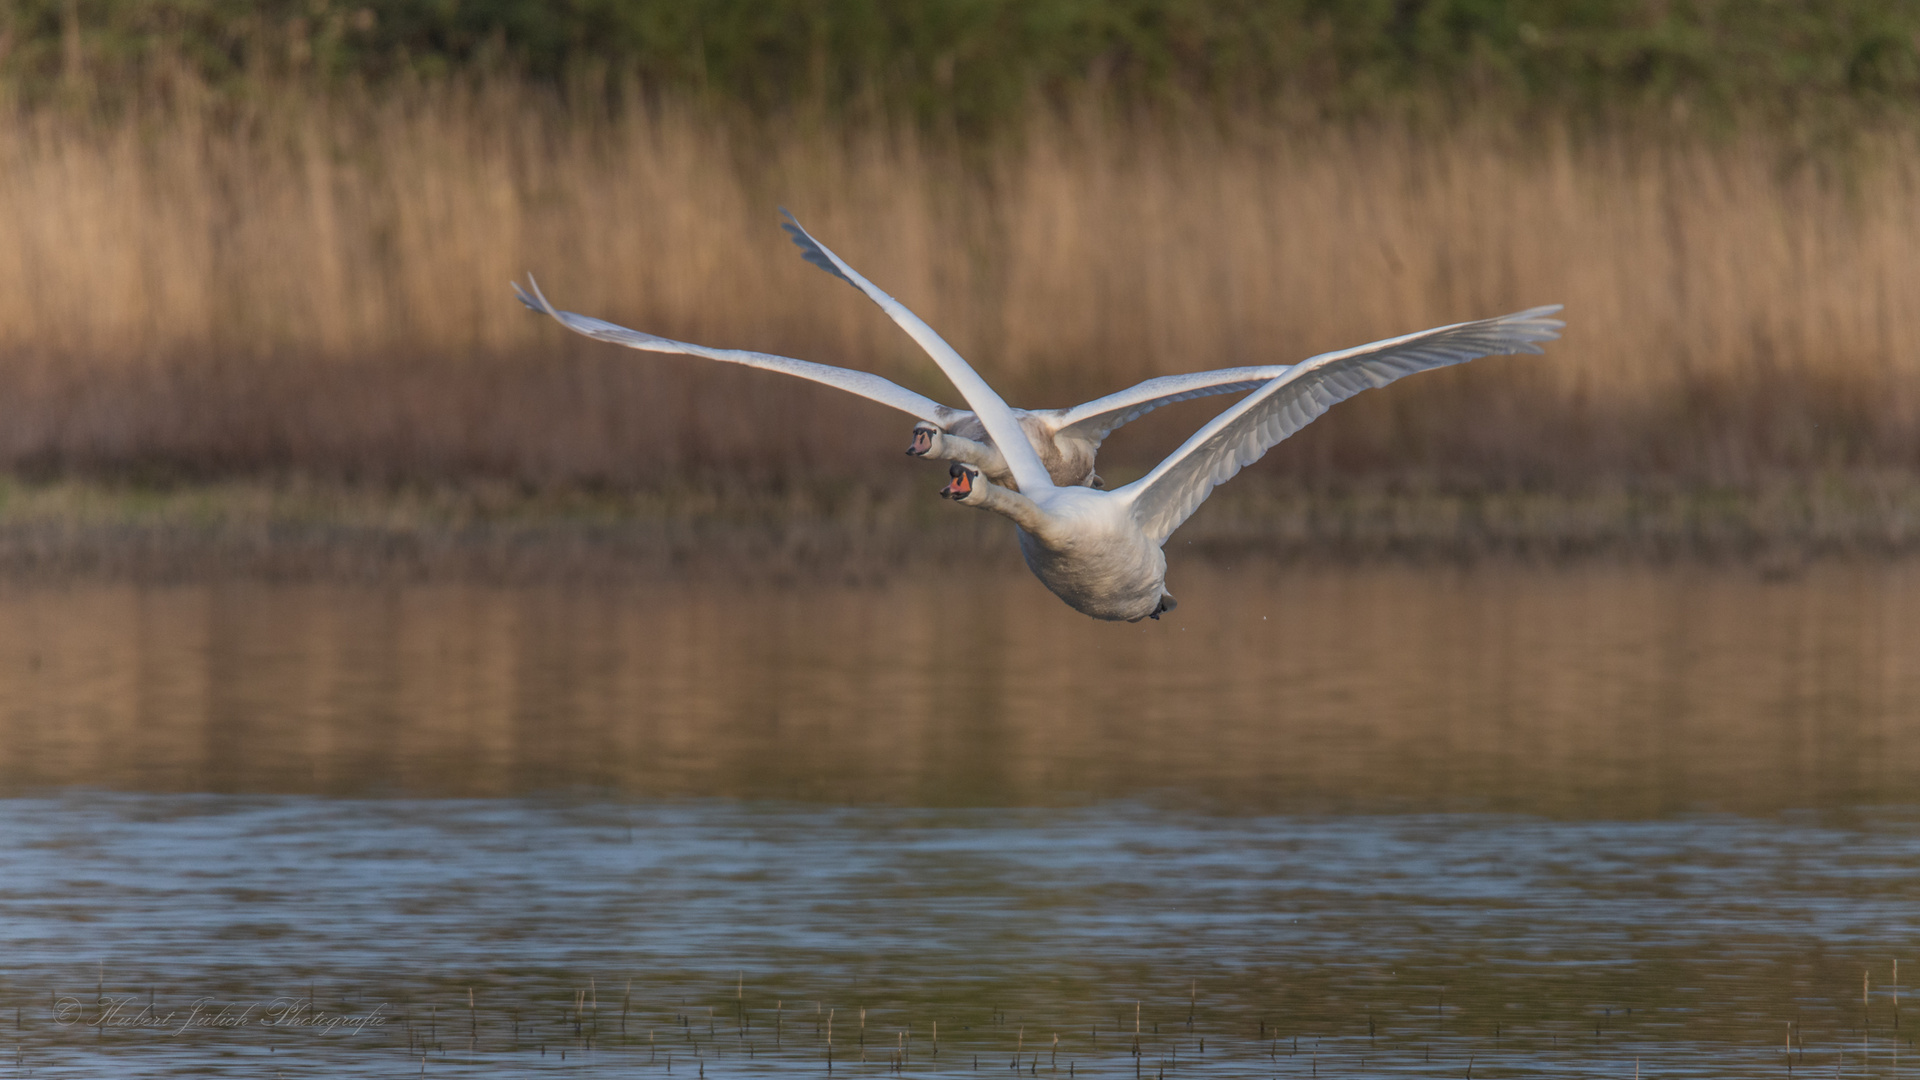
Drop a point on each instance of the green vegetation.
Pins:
(978, 62)
(492, 532)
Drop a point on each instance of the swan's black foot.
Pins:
(1167, 603)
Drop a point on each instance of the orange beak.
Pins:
(960, 487)
(922, 442)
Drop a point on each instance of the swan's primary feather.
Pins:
(869, 386)
(1098, 418)
(1168, 495)
(811, 250)
(986, 403)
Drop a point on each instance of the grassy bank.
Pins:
(318, 287)
(859, 535)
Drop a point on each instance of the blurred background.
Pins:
(272, 241)
(370, 642)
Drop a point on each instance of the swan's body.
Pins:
(1080, 543)
(1067, 455)
(1100, 551)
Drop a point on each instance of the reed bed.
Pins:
(318, 284)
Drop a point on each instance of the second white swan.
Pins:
(1066, 440)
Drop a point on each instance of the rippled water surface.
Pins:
(1330, 821)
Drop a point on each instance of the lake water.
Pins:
(1322, 821)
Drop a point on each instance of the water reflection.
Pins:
(1354, 821)
(1609, 690)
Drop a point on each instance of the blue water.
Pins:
(1517, 943)
(1329, 821)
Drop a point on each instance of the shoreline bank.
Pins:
(77, 528)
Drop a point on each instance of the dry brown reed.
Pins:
(319, 285)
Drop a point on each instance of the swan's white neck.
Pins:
(1024, 512)
(977, 454)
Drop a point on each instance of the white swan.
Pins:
(1066, 440)
(1100, 551)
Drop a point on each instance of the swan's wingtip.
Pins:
(795, 231)
(545, 304)
(534, 298)
(811, 249)
(520, 294)
(1539, 323)
(1539, 316)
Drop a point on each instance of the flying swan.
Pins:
(1100, 551)
(1065, 439)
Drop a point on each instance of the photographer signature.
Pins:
(209, 1014)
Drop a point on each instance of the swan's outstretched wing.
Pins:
(993, 412)
(869, 386)
(1176, 487)
(1097, 419)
